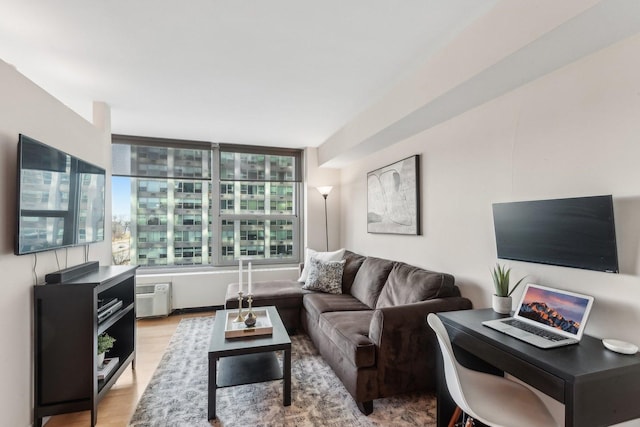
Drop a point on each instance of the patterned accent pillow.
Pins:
(325, 276)
(320, 256)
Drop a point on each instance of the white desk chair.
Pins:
(490, 399)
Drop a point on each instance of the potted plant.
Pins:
(105, 343)
(502, 297)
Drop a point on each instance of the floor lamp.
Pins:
(325, 192)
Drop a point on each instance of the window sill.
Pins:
(187, 270)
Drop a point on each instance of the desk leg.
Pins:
(212, 386)
(287, 378)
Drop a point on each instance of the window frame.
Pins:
(214, 237)
(295, 217)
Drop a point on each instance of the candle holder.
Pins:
(240, 317)
(250, 320)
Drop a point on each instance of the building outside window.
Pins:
(178, 203)
(264, 188)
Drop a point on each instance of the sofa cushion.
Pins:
(407, 284)
(281, 293)
(370, 279)
(349, 332)
(352, 264)
(322, 256)
(317, 303)
(324, 276)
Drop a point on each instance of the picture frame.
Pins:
(393, 198)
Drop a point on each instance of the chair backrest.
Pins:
(529, 411)
(451, 367)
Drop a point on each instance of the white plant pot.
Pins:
(100, 359)
(501, 305)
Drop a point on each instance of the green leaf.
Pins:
(501, 278)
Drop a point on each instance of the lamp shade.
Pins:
(325, 190)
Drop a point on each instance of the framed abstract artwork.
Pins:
(393, 198)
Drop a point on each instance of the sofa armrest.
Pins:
(406, 347)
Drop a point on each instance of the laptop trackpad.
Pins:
(516, 332)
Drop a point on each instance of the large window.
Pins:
(259, 194)
(189, 203)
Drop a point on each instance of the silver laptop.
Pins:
(546, 317)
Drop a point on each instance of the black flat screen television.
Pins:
(576, 232)
(60, 199)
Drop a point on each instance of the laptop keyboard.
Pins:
(533, 330)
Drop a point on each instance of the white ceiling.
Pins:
(287, 73)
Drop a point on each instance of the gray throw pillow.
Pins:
(325, 276)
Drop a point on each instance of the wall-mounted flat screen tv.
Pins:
(60, 199)
(575, 232)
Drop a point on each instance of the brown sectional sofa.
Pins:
(374, 335)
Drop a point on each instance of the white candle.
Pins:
(249, 279)
(240, 276)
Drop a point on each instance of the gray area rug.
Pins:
(177, 393)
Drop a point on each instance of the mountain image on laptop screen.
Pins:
(564, 312)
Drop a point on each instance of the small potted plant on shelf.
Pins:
(502, 298)
(105, 343)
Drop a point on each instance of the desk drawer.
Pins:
(542, 380)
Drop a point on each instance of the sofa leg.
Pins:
(365, 407)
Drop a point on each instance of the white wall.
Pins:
(25, 108)
(571, 133)
(514, 42)
(315, 176)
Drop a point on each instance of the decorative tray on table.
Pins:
(233, 329)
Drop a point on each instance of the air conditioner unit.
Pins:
(153, 300)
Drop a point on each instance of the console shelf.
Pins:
(66, 340)
(114, 318)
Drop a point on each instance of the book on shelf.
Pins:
(105, 303)
(108, 366)
(113, 307)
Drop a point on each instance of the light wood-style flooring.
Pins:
(115, 410)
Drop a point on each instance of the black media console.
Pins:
(66, 333)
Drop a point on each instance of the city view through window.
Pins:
(168, 208)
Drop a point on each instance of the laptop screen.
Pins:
(563, 311)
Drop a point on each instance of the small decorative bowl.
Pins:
(250, 321)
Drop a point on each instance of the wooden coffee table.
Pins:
(247, 360)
